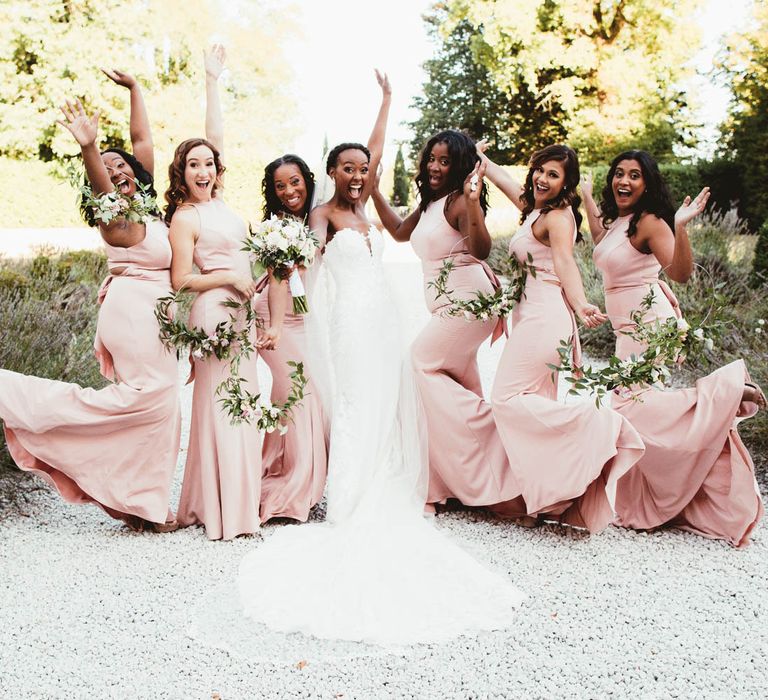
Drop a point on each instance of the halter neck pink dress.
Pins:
(295, 464)
(566, 457)
(696, 472)
(222, 476)
(116, 447)
(466, 458)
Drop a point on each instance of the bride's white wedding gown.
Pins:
(377, 571)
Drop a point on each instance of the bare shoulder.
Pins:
(650, 226)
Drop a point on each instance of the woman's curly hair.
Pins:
(568, 196)
(655, 199)
(272, 203)
(177, 192)
(463, 156)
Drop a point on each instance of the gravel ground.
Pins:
(90, 609)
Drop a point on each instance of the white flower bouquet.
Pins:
(282, 244)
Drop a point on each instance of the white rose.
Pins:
(682, 324)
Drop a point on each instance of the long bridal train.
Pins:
(377, 571)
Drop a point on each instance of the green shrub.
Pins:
(760, 262)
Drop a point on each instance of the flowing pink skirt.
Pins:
(116, 447)
(222, 475)
(295, 464)
(467, 460)
(567, 458)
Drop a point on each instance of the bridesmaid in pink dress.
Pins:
(696, 472)
(295, 464)
(567, 457)
(222, 475)
(116, 447)
(467, 460)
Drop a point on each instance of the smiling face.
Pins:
(200, 173)
(439, 168)
(120, 173)
(350, 174)
(547, 181)
(628, 185)
(290, 188)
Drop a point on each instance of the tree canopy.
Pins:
(601, 74)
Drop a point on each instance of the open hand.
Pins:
(383, 81)
(591, 316)
(117, 76)
(586, 185)
(691, 209)
(473, 184)
(214, 60)
(85, 129)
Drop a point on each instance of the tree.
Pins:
(52, 49)
(401, 188)
(605, 72)
(461, 93)
(745, 132)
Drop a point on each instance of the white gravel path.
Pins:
(90, 609)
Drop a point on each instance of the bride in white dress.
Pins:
(377, 571)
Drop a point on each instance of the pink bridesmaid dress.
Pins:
(466, 458)
(116, 447)
(294, 465)
(568, 458)
(222, 475)
(696, 472)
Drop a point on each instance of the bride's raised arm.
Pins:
(376, 140)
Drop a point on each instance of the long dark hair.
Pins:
(463, 155)
(140, 174)
(655, 200)
(177, 192)
(272, 203)
(568, 196)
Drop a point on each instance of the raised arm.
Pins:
(471, 216)
(376, 140)
(85, 129)
(141, 134)
(400, 229)
(596, 227)
(214, 120)
(500, 177)
(560, 231)
(674, 252)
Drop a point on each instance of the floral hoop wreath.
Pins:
(231, 340)
(668, 343)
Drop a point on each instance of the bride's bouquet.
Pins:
(281, 244)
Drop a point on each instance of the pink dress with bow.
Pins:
(466, 457)
(116, 447)
(222, 476)
(567, 458)
(696, 472)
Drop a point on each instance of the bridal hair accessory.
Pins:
(282, 244)
(668, 343)
(230, 340)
